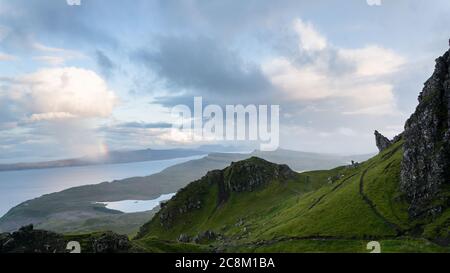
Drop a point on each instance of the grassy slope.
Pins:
(156, 245)
(307, 214)
(125, 223)
(72, 210)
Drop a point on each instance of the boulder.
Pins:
(109, 242)
(29, 240)
(206, 236)
(184, 238)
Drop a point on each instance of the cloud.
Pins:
(332, 74)
(105, 63)
(3, 32)
(372, 60)
(7, 125)
(60, 93)
(310, 39)
(55, 110)
(59, 55)
(51, 116)
(48, 18)
(144, 125)
(202, 67)
(356, 78)
(6, 57)
(138, 137)
(51, 60)
(44, 48)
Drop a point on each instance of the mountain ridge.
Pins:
(112, 157)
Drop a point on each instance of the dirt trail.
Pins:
(373, 207)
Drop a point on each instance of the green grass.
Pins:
(440, 228)
(125, 223)
(381, 186)
(406, 245)
(306, 213)
(155, 245)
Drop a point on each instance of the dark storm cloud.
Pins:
(106, 65)
(31, 19)
(201, 66)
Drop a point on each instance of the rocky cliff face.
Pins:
(382, 142)
(425, 174)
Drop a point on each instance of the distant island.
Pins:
(113, 157)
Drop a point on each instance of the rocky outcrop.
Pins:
(397, 138)
(29, 240)
(206, 236)
(109, 242)
(202, 237)
(382, 142)
(247, 175)
(184, 238)
(243, 176)
(426, 161)
(335, 178)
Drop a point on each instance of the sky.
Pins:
(104, 75)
